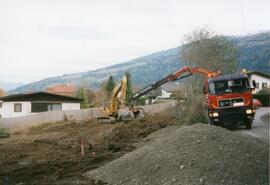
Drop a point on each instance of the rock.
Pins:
(199, 141)
(155, 168)
(202, 180)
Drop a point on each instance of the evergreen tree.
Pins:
(109, 85)
(82, 94)
(129, 87)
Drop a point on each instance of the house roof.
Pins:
(259, 73)
(172, 86)
(40, 96)
(62, 88)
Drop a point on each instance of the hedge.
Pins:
(263, 98)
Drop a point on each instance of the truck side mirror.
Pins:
(204, 90)
(254, 84)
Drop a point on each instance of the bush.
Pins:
(263, 98)
(4, 133)
(264, 91)
(191, 111)
(141, 100)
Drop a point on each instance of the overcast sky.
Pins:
(42, 38)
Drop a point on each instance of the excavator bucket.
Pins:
(125, 115)
(130, 114)
(106, 119)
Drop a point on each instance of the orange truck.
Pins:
(228, 98)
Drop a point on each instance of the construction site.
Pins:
(128, 145)
(154, 92)
(158, 150)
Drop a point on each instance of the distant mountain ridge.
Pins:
(254, 54)
(10, 85)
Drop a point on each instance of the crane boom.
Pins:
(177, 75)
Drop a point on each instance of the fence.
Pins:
(157, 108)
(84, 114)
(45, 117)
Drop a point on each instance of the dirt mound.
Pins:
(198, 154)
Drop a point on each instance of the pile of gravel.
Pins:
(198, 154)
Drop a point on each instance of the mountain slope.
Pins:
(254, 54)
(10, 85)
(144, 70)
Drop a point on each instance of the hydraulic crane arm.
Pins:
(177, 75)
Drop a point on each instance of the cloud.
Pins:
(53, 37)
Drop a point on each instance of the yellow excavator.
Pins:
(117, 110)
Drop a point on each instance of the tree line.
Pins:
(103, 95)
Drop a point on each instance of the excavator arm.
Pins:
(177, 75)
(115, 99)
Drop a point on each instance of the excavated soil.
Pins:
(51, 153)
(191, 155)
(133, 153)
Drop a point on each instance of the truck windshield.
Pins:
(229, 86)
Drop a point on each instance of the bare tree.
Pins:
(101, 98)
(2, 92)
(90, 96)
(203, 48)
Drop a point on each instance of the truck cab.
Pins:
(229, 100)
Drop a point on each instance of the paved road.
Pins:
(260, 128)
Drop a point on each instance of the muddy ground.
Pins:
(51, 153)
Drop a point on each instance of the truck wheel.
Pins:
(248, 124)
(206, 116)
(210, 122)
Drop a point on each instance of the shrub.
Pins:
(263, 98)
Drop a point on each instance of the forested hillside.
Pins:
(253, 54)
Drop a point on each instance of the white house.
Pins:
(262, 80)
(167, 89)
(24, 104)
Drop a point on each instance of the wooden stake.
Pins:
(82, 147)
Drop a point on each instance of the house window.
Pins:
(257, 85)
(43, 107)
(264, 85)
(17, 107)
(54, 107)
